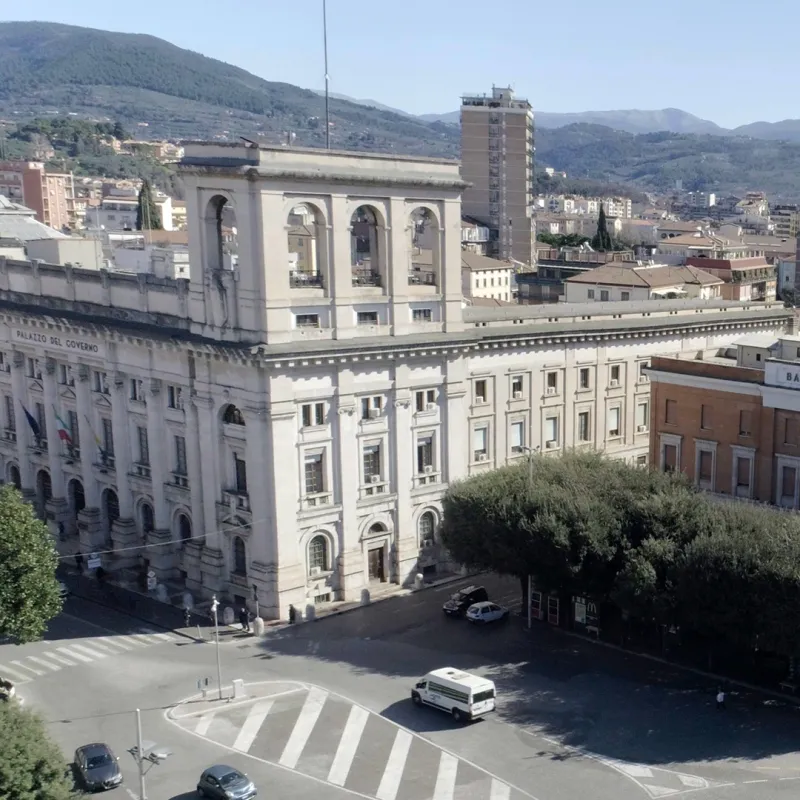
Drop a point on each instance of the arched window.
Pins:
(184, 528)
(77, 498)
(377, 528)
(365, 253)
(44, 485)
(426, 527)
(239, 556)
(110, 506)
(148, 518)
(14, 477)
(303, 238)
(318, 554)
(232, 416)
(424, 258)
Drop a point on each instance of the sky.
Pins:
(420, 56)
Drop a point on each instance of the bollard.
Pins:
(238, 688)
(365, 599)
(418, 579)
(227, 616)
(258, 626)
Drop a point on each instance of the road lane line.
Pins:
(82, 648)
(37, 660)
(446, 777)
(393, 774)
(348, 744)
(144, 638)
(133, 640)
(499, 790)
(110, 640)
(61, 660)
(204, 723)
(104, 648)
(301, 732)
(162, 637)
(16, 677)
(252, 725)
(75, 654)
(763, 780)
(30, 669)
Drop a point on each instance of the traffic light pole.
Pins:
(214, 607)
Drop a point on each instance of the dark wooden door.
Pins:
(376, 567)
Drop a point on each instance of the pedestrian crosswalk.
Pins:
(335, 741)
(53, 656)
(660, 782)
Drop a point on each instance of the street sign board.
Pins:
(94, 561)
(152, 581)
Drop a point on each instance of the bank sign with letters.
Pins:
(57, 341)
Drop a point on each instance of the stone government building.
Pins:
(293, 430)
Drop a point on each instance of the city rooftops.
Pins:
(634, 274)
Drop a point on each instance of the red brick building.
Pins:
(731, 420)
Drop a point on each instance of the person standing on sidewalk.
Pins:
(720, 699)
(244, 619)
(79, 562)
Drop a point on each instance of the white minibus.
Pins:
(461, 694)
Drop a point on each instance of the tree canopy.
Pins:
(32, 767)
(602, 240)
(646, 541)
(29, 595)
(148, 214)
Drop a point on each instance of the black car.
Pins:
(221, 782)
(97, 767)
(458, 604)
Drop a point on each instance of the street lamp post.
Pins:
(145, 753)
(531, 451)
(140, 755)
(214, 607)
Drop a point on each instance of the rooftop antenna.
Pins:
(327, 77)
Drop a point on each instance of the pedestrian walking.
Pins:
(244, 619)
(720, 700)
(187, 617)
(292, 615)
(79, 562)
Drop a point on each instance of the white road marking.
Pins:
(348, 744)
(659, 791)
(61, 660)
(110, 640)
(37, 660)
(499, 790)
(636, 770)
(142, 637)
(104, 648)
(693, 781)
(75, 654)
(133, 640)
(301, 732)
(162, 637)
(252, 725)
(393, 774)
(762, 780)
(446, 777)
(30, 669)
(82, 648)
(16, 677)
(204, 723)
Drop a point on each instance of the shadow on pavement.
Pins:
(610, 703)
(185, 796)
(421, 719)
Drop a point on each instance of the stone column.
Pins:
(340, 269)
(162, 555)
(24, 433)
(123, 530)
(261, 545)
(406, 542)
(213, 562)
(456, 436)
(193, 550)
(57, 507)
(398, 264)
(90, 527)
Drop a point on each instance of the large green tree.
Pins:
(31, 767)
(29, 595)
(148, 215)
(602, 240)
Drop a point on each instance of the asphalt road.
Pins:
(327, 713)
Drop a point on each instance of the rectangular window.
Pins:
(307, 320)
(705, 466)
(11, 418)
(480, 444)
(641, 461)
(425, 400)
(425, 454)
(745, 423)
(144, 450)
(615, 375)
(371, 407)
(137, 390)
(313, 414)
(372, 462)
(614, 422)
(590, 294)
(584, 426)
(480, 391)
(583, 378)
(788, 481)
(625, 295)
(108, 436)
(603, 295)
(516, 387)
(642, 417)
(315, 483)
(743, 473)
(65, 375)
(100, 382)
(552, 382)
(422, 315)
(670, 412)
(74, 432)
(180, 455)
(705, 416)
(367, 317)
(551, 431)
(175, 397)
(240, 473)
(517, 437)
(643, 365)
(42, 420)
(670, 458)
(791, 431)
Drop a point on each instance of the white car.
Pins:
(481, 613)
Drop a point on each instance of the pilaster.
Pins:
(193, 457)
(398, 265)
(406, 544)
(53, 439)
(122, 447)
(157, 446)
(161, 553)
(86, 435)
(455, 449)
(341, 269)
(24, 433)
(91, 535)
(261, 545)
(209, 464)
(450, 259)
(126, 541)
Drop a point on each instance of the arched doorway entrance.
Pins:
(14, 477)
(44, 491)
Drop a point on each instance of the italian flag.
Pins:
(63, 431)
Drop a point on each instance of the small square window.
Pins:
(307, 320)
(583, 378)
(480, 391)
(615, 371)
(516, 387)
(552, 381)
(422, 315)
(625, 295)
(313, 414)
(590, 294)
(367, 317)
(603, 295)
(371, 407)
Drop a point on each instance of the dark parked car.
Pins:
(458, 604)
(225, 783)
(97, 767)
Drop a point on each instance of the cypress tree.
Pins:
(602, 239)
(148, 215)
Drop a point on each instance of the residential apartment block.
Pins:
(51, 195)
(497, 155)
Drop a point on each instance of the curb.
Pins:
(721, 679)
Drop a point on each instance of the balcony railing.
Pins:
(301, 280)
(239, 501)
(421, 277)
(366, 277)
(180, 480)
(10, 434)
(141, 470)
(106, 463)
